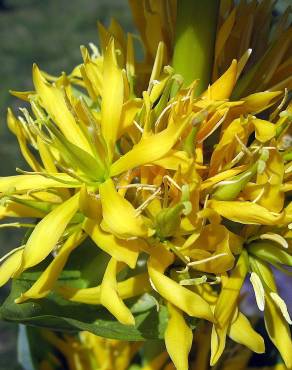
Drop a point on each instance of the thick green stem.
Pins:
(194, 41)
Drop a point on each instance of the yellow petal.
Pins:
(118, 214)
(48, 278)
(276, 325)
(89, 205)
(122, 250)
(13, 209)
(258, 102)
(278, 330)
(128, 288)
(112, 98)
(181, 297)
(53, 101)
(10, 265)
(47, 232)
(223, 87)
(129, 112)
(178, 338)
(214, 239)
(245, 212)
(175, 160)
(264, 130)
(242, 332)
(27, 154)
(46, 156)
(24, 183)
(110, 298)
(218, 340)
(150, 148)
(229, 294)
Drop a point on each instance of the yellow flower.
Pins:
(138, 163)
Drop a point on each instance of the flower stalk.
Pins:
(194, 41)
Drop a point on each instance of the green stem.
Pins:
(194, 41)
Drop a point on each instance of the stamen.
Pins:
(259, 196)
(138, 127)
(282, 306)
(46, 175)
(16, 224)
(171, 181)
(288, 169)
(215, 127)
(275, 238)
(10, 253)
(152, 84)
(152, 285)
(139, 187)
(69, 172)
(199, 262)
(258, 290)
(244, 147)
(94, 49)
(280, 106)
(196, 281)
(145, 204)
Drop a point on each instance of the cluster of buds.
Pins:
(126, 154)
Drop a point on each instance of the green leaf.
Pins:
(85, 268)
(56, 313)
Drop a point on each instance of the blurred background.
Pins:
(49, 33)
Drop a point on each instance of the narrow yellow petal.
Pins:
(218, 340)
(13, 209)
(245, 212)
(110, 298)
(48, 278)
(47, 232)
(178, 338)
(53, 101)
(229, 294)
(10, 265)
(122, 250)
(175, 160)
(112, 98)
(89, 205)
(129, 111)
(46, 156)
(118, 214)
(181, 297)
(128, 288)
(24, 183)
(276, 324)
(150, 148)
(278, 330)
(258, 102)
(242, 332)
(223, 87)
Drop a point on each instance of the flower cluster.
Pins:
(123, 153)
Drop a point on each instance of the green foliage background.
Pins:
(49, 33)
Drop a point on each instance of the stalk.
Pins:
(194, 41)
